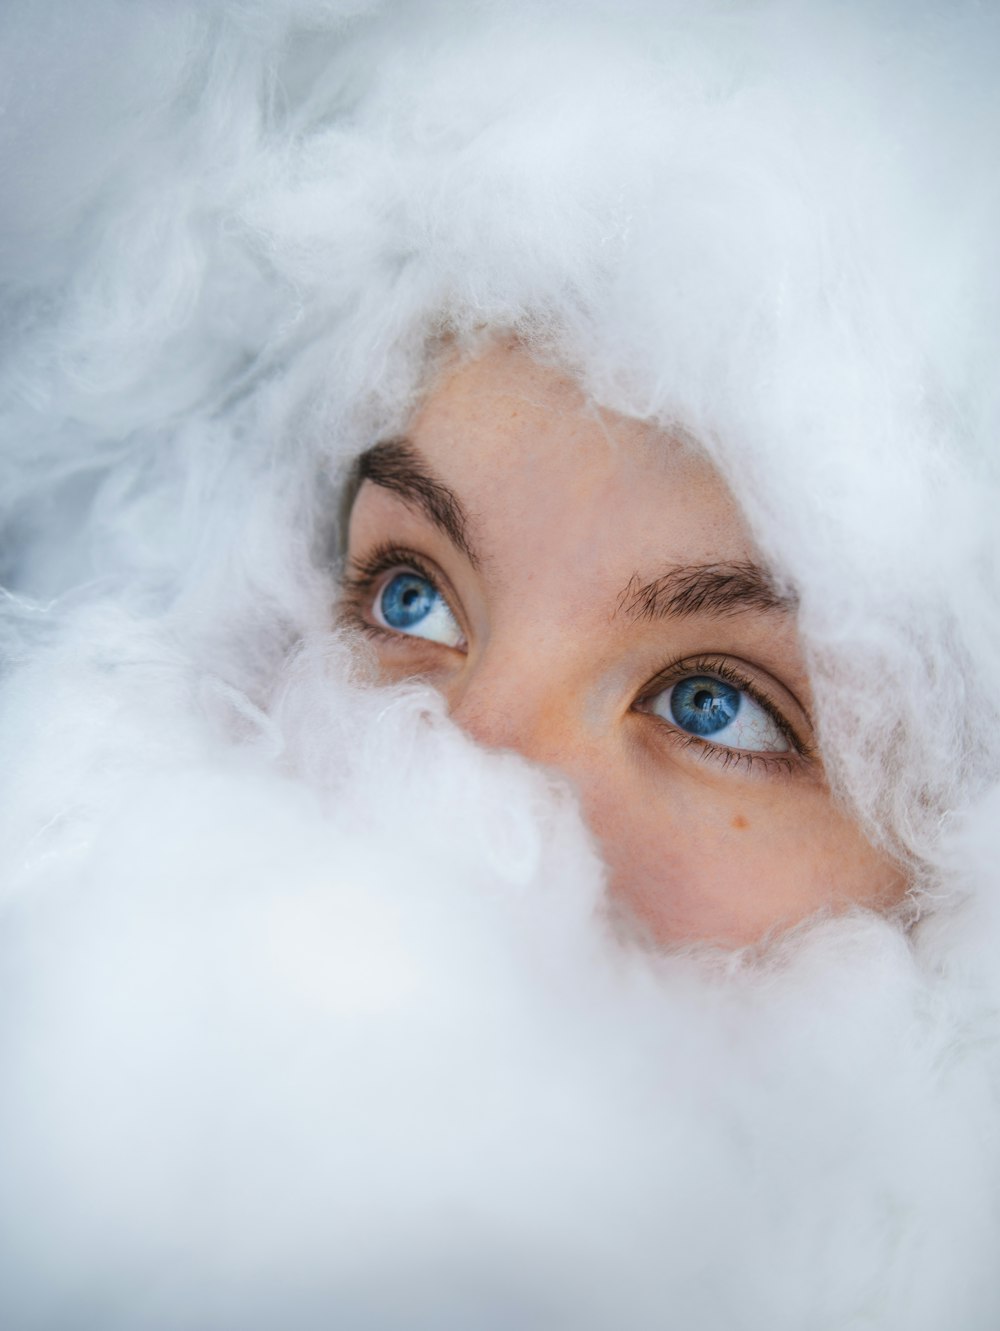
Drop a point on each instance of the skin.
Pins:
(562, 515)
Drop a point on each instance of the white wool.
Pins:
(312, 1012)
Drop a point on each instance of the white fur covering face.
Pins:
(313, 1014)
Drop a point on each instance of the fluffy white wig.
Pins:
(309, 1011)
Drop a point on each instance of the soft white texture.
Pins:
(312, 1014)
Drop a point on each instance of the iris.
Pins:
(704, 706)
(411, 604)
(406, 600)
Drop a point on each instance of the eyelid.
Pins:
(383, 559)
(741, 676)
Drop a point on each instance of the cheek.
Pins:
(728, 866)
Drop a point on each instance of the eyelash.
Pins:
(359, 589)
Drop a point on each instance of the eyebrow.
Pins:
(396, 465)
(703, 589)
(694, 589)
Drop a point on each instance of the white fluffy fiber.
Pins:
(311, 1013)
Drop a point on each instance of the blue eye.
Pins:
(410, 603)
(720, 713)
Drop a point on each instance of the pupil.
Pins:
(703, 700)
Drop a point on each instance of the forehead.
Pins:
(536, 465)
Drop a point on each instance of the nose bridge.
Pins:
(513, 702)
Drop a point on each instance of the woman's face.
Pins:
(582, 589)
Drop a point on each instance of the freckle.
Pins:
(740, 821)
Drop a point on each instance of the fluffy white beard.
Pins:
(314, 1015)
(311, 1014)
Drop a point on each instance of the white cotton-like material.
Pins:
(312, 1013)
